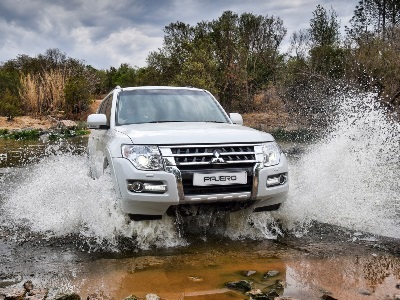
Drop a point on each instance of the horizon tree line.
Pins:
(236, 57)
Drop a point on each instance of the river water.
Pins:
(338, 233)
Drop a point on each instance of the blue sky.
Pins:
(107, 33)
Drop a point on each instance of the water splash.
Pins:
(57, 198)
(350, 178)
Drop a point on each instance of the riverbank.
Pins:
(24, 122)
(327, 263)
(261, 121)
(274, 119)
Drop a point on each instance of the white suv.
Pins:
(174, 148)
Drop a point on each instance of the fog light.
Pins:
(282, 179)
(146, 186)
(278, 179)
(136, 186)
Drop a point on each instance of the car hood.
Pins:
(192, 133)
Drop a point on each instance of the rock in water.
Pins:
(271, 273)
(72, 296)
(241, 285)
(28, 286)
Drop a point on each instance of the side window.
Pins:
(108, 105)
(105, 108)
(100, 109)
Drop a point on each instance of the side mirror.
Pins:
(97, 121)
(236, 118)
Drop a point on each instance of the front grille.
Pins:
(206, 154)
(214, 158)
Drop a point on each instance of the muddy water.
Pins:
(338, 233)
(322, 263)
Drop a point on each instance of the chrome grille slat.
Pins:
(207, 163)
(211, 154)
(203, 154)
(190, 159)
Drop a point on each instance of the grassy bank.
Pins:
(34, 134)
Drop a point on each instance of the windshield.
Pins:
(167, 105)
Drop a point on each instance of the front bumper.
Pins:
(158, 203)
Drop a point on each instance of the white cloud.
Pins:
(106, 33)
(130, 45)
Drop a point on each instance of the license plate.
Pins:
(219, 178)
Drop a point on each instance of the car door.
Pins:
(98, 140)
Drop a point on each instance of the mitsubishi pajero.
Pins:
(172, 148)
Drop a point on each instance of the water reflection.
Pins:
(20, 153)
(195, 274)
(350, 276)
(200, 272)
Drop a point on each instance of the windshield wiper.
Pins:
(166, 121)
(176, 121)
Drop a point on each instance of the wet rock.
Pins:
(6, 283)
(257, 294)
(72, 296)
(152, 297)
(249, 273)
(28, 286)
(102, 296)
(273, 294)
(36, 294)
(241, 285)
(11, 294)
(271, 273)
(261, 297)
(365, 293)
(8, 279)
(132, 297)
(67, 124)
(195, 278)
(327, 297)
(280, 284)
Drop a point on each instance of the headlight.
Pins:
(143, 157)
(272, 154)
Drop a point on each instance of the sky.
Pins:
(105, 33)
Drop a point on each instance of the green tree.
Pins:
(199, 67)
(10, 101)
(166, 63)
(316, 67)
(373, 42)
(10, 105)
(124, 76)
(77, 95)
(326, 56)
(246, 51)
(324, 27)
(233, 56)
(374, 17)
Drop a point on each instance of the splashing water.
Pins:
(350, 178)
(57, 198)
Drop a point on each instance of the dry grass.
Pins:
(26, 122)
(43, 94)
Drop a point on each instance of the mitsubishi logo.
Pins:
(217, 159)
